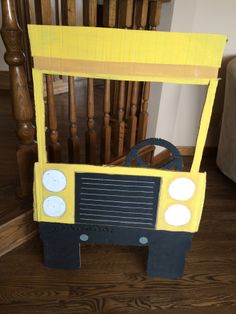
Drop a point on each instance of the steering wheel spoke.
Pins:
(175, 162)
(168, 165)
(141, 162)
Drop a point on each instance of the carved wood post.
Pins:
(90, 19)
(143, 116)
(153, 22)
(121, 122)
(68, 12)
(54, 147)
(21, 102)
(140, 22)
(106, 131)
(109, 20)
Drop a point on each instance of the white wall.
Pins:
(179, 107)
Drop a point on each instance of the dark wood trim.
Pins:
(16, 232)
(186, 150)
(189, 150)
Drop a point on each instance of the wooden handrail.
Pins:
(126, 102)
(21, 102)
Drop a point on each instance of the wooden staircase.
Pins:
(126, 112)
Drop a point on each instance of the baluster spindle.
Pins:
(143, 116)
(73, 140)
(90, 19)
(109, 20)
(128, 100)
(106, 132)
(141, 14)
(154, 14)
(21, 102)
(54, 147)
(121, 122)
(109, 13)
(153, 22)
(90, 134)
(125, 20)
(68, 13)
(132, 123)
(125, 13)
(90, 12)
(46, 11)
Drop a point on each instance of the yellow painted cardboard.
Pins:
(195, 204)
(189, 58)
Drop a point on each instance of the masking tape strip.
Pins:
(204, 125)
(128, 69)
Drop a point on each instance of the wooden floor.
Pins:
(112, 278)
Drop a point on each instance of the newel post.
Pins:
(21, 102)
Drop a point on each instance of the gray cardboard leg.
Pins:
(167, 254)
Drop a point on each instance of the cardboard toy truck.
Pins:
(159, 208)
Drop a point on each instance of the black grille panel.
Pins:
(116, 199)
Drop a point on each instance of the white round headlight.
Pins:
(54, 180)
(177, 215)
(54, 206)
(182, 189)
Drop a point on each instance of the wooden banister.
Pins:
(125, 20)
(143, 116)
(153, 21)
(90, 134)
(54, 148)
(90, 19)
(141, 13)
(140, 22)
(132, 122)
(106, 132)
(154, 13)
(109, 20)
(126, 13)
(109, 13)
(90, 12)
(121, 122)
(21, 102)
(68, 13)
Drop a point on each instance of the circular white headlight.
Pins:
(54, 180)
(182, 189)
(54, 206)
(177, 215)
